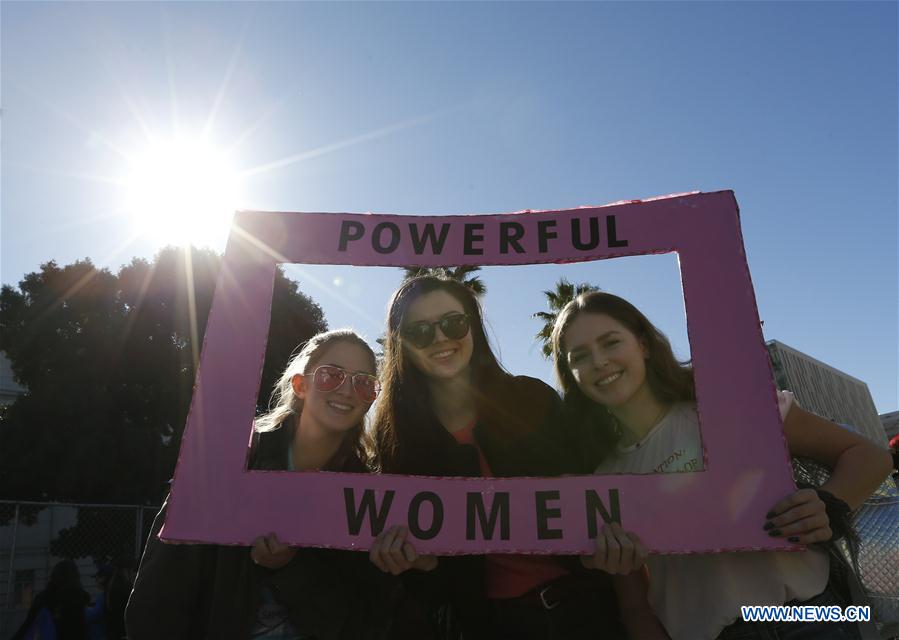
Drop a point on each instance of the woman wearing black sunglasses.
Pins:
(272, 590)
(448, 409)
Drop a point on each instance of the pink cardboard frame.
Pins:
(215, 499)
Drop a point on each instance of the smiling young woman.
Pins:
(274, 591)
(621, 380)
(449, 409)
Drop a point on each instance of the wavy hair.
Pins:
(408, 437)
(285, 404)
(668, 379)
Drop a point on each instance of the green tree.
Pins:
(557, 298)
(109, 361)
(465, 275)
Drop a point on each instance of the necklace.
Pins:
(655, 422)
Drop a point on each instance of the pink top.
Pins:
(510, 576)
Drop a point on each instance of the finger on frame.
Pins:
(793, 500)
(640, 550)
(804, 526)
(818, 535)
(276, 545)
(602, 549)
(797, 513)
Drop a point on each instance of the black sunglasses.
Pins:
(421, 334)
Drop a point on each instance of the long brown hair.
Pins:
(408, 436)
(286, 407)
(668, 379)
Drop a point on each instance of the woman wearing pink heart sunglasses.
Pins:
(272, 590)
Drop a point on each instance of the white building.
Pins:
(9, 388)
(826, 391)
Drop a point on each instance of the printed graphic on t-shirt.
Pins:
(673, 446)
(679, 461)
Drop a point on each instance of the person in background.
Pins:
(96, 613)
(57, 612)
(118, 588)
(106, 616)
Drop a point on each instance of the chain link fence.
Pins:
(34, 536)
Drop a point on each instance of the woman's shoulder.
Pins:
(268, 449)
(520, 397)
(527, 387)
(682, 418)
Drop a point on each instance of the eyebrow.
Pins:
(581, 347)
(332, 364)
(445, 315)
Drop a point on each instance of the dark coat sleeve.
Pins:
(166, 599)
(522, 431)
(452, 597)
(328, 596)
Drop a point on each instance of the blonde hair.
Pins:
(284, 403)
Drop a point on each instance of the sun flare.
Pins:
(183, 192)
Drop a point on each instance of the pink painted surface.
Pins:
(214, 499)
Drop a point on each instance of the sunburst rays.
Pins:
(144, 129)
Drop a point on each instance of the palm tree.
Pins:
(462, 274)
(564, 293)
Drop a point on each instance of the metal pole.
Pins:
(138, 534)
(47, 555)
(12, 557)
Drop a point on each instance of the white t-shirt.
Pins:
(695, 596)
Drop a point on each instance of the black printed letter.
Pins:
(471, 237)
(595, 505)
(499, 510)
(544, 513)
(509, 234)
(355, 517)
(376, 237)
(611, 234)
(349, 230)
(544, 235)
(593, 242)
(414, 515)
(419, 242)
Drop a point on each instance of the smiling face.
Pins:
(445, 358)
(607, 360)
(341, 409)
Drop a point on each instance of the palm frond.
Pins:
(556, 300)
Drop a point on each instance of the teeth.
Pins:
(339, 406)
(443, 354)
(612, 378)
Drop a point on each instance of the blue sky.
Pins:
(426, 108)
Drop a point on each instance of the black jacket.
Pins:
(193, 591)
(521, 432)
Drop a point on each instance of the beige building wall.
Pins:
(827, 391)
